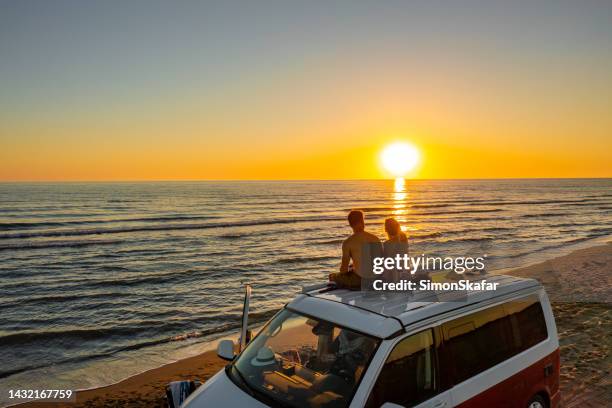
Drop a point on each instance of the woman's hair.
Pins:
(393, 229)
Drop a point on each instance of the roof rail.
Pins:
(318, 286)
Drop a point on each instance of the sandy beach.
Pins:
(577, 283)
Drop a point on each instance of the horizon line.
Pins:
(296, 180)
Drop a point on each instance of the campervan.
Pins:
(340, 348)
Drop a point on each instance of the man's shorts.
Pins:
(348, 280)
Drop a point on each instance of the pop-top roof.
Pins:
(382, 314)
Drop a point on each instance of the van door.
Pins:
(409, 376)
(482, 354)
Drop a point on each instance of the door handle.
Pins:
(548, 370)
(439, 404)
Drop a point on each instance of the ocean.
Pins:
(99, 281)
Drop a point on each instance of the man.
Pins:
(360, 248)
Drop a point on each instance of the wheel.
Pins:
(537, 401)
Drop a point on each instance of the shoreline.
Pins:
(553, 253)
(146, 389)
(583, 326)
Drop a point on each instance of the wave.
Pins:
(581, 202)
(467, 239)
(425, 236)
(80, 335)
(556, 246)
(369, 209)
(47, 224)
(585, 204)
(57, 244)
(601, 230)
(543, 215)
(231, 236)
(142, 251)
(465, 211)
(110, 281)
(486, 229)
(460, 212)
(537, 202)
(302, 260)
(335, 241)
(473, 219)
(62, 335)
(153, 279)
(431, 205)
(166, 227)
(438, 234)
(61, 298)
(478, 202)
(22, 225)
(113, 268)
(570, 224)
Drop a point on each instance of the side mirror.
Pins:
(225, 350)
(391, 405)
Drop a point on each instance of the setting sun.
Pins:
(399, 158)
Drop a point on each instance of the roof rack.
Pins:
(406, 303)
(319, 287)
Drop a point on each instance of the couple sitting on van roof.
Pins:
(361, 247)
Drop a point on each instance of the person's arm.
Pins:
(346, 258)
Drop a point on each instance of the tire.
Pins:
(537, 401)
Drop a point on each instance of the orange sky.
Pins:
(498, 91)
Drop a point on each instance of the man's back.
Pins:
(360, 247)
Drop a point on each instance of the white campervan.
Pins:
(340, 348)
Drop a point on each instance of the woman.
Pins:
(394, 232)
(396, 244)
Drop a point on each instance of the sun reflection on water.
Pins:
(399, 197)
(400, 185)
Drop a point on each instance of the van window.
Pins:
(481, 340)
(528, 323)
(408, 376)
(478, 341)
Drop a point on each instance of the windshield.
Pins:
(300, 361)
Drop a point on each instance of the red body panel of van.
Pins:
(515, 391)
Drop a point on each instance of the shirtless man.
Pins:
(358, 248)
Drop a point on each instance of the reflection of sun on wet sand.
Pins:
(584, 324)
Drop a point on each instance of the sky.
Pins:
(161, 90)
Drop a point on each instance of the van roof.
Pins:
(385, 314)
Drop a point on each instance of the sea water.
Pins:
(99, 281)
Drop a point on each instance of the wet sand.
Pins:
(146, 389)
(579, 285)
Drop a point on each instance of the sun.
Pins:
(399, 158)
